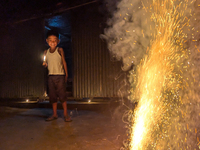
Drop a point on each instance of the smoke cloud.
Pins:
(128, 35)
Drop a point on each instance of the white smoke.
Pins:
(129, 33)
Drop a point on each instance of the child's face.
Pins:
(52, 41)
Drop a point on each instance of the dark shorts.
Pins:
(57, 88)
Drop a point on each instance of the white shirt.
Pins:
(54, 61)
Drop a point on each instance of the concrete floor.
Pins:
(26, 129)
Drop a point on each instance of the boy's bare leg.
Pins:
(54, 116)
(66, 117)
(64, 105)
(54, 106)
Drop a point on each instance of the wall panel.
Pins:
(20, 60)
(95, 71)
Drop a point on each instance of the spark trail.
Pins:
(159, 78)
(161, 39)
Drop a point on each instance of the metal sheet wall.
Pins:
(95, 73)
(20, 60)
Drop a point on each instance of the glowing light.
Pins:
(27, 100)
(162, 48)
(44, 59)
(45, 94)
(158, 78)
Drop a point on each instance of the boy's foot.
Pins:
(67, 119)
(52, 118)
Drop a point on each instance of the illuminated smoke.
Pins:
(128, 36)
(161, 38)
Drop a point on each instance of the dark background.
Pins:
(92, 71)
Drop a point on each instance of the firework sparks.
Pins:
(161, 39)
(159, 75)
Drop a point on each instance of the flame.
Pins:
(44, 59)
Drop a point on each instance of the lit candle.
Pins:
(44, 58)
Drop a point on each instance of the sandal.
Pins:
(52, 118)
(67, 119)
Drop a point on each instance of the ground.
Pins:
(26, 129)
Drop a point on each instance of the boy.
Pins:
(57, 67)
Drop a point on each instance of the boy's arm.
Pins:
(44, 61)
(64, 62)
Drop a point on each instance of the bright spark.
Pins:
(159, 76)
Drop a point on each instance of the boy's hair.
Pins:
(52, 32)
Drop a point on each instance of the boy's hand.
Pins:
(44, 64)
